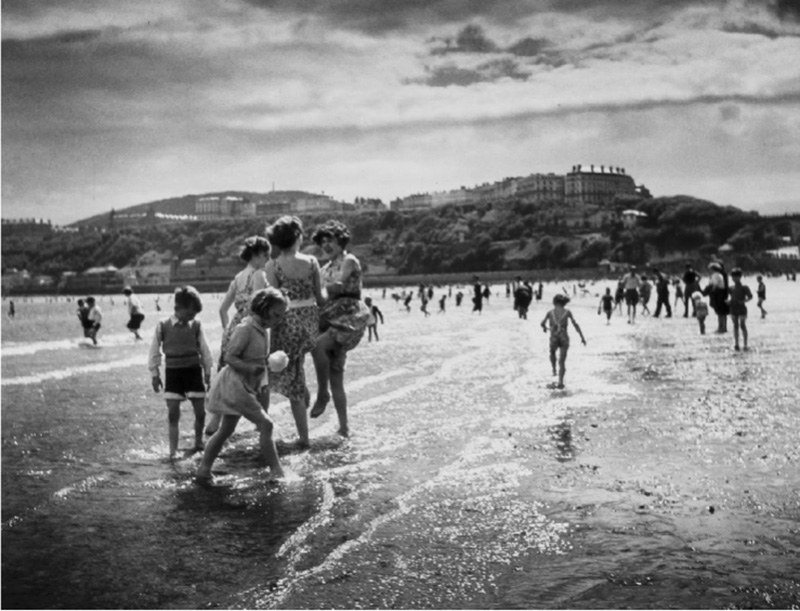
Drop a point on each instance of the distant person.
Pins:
(95, 318)
(558, 320)
(630, 284)
(255, 251)
(761, 293)
(662, 294)
(297, 276)
(375, 315)
(700, 309)
(645, 290)
(83, 317)
(407, 301)
(158, 303)
(188, 364)
(539, 290)
(619, 296)
(477, 299)
(691, 284)
(12, 309)
(717, 292)
(678, 294)
(135, 314)
(487, 292)
(240, 387)
(459, 298)
(424, 307)
(523, 296)
(606, 305)
(442, 301)
(739, 296)
(343, 319)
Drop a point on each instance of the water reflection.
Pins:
(561, 434)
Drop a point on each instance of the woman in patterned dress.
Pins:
(298, 277)
(343, 319)
(242, 288)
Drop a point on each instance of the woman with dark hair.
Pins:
(297, 276)
(343, 319)
(255, 251)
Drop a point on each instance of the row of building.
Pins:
(228, 206)
(583, 185)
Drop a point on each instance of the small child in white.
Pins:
(188, 364)
(95, 318)
(375, 314)
(700, 310)
(241, 386)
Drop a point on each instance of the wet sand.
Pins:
(664, 476)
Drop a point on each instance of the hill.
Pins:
(507, 236)
(185, 204)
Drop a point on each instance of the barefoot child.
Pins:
(761, 293)
(700, 307)
(558, 319)
(240, 388)
(375, 314)
(134, 312)
(739, 295)
(607, 305)
(95, 318)
(188, 364)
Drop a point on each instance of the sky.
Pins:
(108, 104)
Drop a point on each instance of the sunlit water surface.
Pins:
(664, 475)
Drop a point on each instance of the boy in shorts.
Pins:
(188, 364)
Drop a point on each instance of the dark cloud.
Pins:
(491, 71)
(529, 47)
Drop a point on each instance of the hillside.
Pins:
(505, 236)
(185, 204)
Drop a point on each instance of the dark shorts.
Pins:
(184, 383)
(631, 296)
(135, 322)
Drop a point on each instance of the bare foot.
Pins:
(319, 406)
(344, 432)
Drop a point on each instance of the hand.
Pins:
(157, 385)
(583, 341)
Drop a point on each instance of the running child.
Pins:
(558, 319)
(134, 312)
(94, 318)
(739, 295)
(188, 364)
(606, 305)
(761, 293)
(83, 316)
(375, 314)
(241, 387)
(700, 308)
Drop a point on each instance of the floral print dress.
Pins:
(297, 333)
(344, 316)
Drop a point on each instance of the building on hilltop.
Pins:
(583, 185)
(223, 206)
(26, 227)
(226, 207)
(599, 186)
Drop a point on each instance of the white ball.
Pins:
(278, 361)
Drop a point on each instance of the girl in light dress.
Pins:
(240, 388)
(298, 277)
(343, 319)
(558, 319)
(241, 289)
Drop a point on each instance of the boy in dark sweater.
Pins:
(188, 364)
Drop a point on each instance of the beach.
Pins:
(665, 474)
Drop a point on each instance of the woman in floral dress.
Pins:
(343, 319)
(298, 277)
(242, 288)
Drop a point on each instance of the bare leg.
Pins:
(562, 365)
(735, 332)
(322, 367)
(213, 423)
(199, 406)
(340, 400)
(553, 360)
(268, 450)
(214, 446)
(744, 333)
(300, 420)
(173, 418)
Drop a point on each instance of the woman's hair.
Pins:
(284, 232)
(332, 229)
(264, 300)
(559, 298)
(188, 297)
(254, 246)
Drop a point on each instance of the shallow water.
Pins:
(664, 476)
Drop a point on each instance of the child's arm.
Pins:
(226, 304)
(154, 359)
(544, 322)
(577, 328)
(206, 358)
(379, 313)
